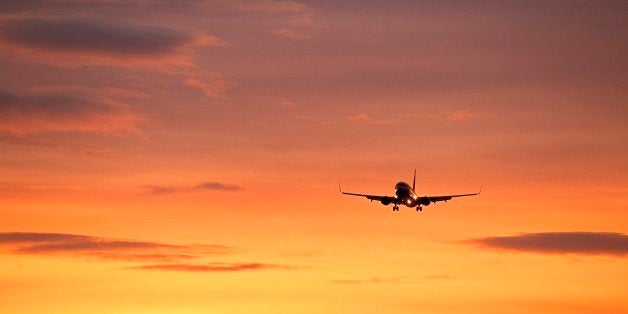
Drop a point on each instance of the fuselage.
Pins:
(405, 195)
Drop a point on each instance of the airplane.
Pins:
(406, 195)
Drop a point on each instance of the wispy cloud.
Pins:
(218, 267)
(58, 112)
(212, 84)
(361, 116)
(405, 117)
(27, 141)
(585, 243)
(390, 280)
(288, 33)
(296, 19)
(462, 115)
(37, 187)
(372, 280)
(76, 245)
(365, 117)
(203, 186)
(171, 257)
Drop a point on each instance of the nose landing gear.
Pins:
(419, 208)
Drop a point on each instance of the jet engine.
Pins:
(385, 201)
(424, 201)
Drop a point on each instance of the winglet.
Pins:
(339, 187)
(480, 190)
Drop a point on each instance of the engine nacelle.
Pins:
(385, 201)
(424, 201)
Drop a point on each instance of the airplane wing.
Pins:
(371, 197)
(445, 198)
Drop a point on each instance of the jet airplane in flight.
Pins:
(406, 195)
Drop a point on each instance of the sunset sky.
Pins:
(184, 156)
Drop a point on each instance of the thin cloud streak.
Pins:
(585, 243)
(236, 267)
(462, 115)
(171, 256)
(372, 280)
(288, 33)
(75, 245)
(212, 84)
(390, 280)
(203, 186)
(27, 141)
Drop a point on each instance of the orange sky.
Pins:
(183, 157)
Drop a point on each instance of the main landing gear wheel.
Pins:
(396, 208)
(419, 208)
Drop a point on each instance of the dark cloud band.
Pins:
(87, 36)
(588, 243)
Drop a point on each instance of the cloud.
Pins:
(365, 117)
(288, 33)
(390, 280)
(173, 257)
(218, 267)
(272, 7)
(372, 280)
(212, 84)
(29, 142)
(98, 41)
(203, 186)
(416, 115)
(76, 245)
(57, 112)
(362, 116)
(585, 243)
(288, 104)
(37, 187)
(296, 18)
(461, 115)
(18, 6)
(210, 185)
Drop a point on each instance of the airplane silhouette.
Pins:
(406, 195)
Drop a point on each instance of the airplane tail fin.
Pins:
(414, 181)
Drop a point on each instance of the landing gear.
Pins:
(419, 208)
(395, 208)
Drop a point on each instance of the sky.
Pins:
(184, 156)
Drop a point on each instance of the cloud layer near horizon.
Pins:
(585, 243)
(84, 246)
(77, 245)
